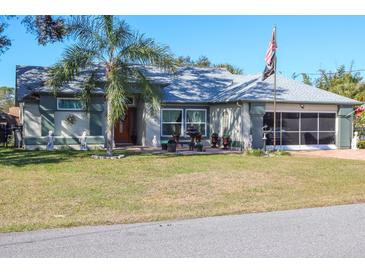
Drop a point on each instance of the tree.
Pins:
(306, 79)
(47, 28)
(110, 42)
(203, 62)
(342, 82)
(6, 98)
(5, 42)
(232, 69)
(183, 61)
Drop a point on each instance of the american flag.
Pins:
(270, 58)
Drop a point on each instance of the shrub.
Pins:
(361, 144)
(281, 153)
(256, 152)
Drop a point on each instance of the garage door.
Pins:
(301, 128)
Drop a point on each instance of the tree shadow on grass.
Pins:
(20, 157)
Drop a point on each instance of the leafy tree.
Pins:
(306, 79)
(5, 42)
(232, 69)
(110, 42)
(342, 82)
(203, 62)
(6, 98)
(47, 28)
(183, 61)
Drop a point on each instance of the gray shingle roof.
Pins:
(197, 85)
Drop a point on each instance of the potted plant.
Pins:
(226, 140)
(214, 140)
(176, 136)
(199, 146)
(171, 145)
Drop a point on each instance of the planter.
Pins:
(191, 146)
(171, 147)
(214, 140)
(199, 148)
(164, 146)
(226, 142)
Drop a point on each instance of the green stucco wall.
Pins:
(257, 112)
(344, 126)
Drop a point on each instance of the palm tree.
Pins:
(109, 42)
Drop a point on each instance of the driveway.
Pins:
(349, 154)
(336, 231)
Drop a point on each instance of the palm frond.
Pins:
(74, 59)
(146, 51)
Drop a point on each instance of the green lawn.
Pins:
(40, 189)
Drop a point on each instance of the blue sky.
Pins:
(305, 43)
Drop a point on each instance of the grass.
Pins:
(40, 189)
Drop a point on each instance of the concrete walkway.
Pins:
(336, 231)
(349, 154)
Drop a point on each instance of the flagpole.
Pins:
(275, 92)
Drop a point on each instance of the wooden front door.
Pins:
(122, 128)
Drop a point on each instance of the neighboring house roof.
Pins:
(196, 85)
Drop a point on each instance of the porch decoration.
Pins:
(193, 133)
(83, 144)
(70, 119)
(50, 140)
(199, 146)
(226, 140)
(171, 145)
(214, 140)
(355, 140)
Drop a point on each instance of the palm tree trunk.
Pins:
(109, 130)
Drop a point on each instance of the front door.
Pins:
(122, 129)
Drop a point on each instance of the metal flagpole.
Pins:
(275, 90)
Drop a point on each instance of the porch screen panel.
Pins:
(290, 128)
(197, 120)
(309, 128)
(304, 128)
(171, 122)
(269, 123)
(327, 128)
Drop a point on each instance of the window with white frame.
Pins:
(197, 118)
(171, 122)
(69, 104)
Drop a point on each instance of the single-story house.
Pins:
(210, 99)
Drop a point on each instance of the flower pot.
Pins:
(226, 142)
(199, 148)
(214, 141)
(171, 147)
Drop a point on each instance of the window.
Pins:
(304, 128)
(69, 104)
(196, 118)
(224, 122)
(171, 122)
(130, 101)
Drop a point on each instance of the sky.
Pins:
(305, 43)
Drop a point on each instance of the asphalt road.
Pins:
(337, 231)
